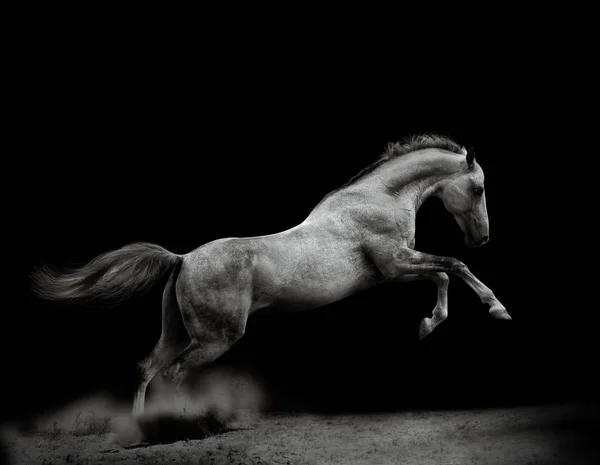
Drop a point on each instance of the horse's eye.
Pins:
(478, 190)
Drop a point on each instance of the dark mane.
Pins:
(407, 145)
(397, 149)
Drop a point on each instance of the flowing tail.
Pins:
(109, 278)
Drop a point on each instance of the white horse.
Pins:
(358, 236)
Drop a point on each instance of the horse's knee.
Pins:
(460, 267)
(441, 279)
(456, 266)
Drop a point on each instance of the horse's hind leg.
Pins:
(173, 340)
(199, 354)
(213, 332)
(440, 312)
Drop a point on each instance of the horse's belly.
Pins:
(307, 297)
(306, 294)
(308, 271)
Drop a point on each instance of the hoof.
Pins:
(500, 314)
(424, 328)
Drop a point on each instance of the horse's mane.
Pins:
(407, 145)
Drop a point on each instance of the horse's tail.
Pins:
(109, 278)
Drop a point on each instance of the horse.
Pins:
(356, 237)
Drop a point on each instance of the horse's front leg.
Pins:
(440, 312)
(406, 260)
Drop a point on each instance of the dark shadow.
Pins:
(169, 428)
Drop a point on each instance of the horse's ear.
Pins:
(471, 157)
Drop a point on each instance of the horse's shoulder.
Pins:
(372, 216)
(383, 230)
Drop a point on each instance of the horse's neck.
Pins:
(412, 178)
(403, 183)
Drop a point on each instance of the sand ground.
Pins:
(546, 434)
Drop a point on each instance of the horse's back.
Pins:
(307, 266)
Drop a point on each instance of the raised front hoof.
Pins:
(500, 313)
(425, 328)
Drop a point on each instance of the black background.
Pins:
(142, 142)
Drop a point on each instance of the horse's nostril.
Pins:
(485, 239)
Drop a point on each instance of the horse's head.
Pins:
(463, 196)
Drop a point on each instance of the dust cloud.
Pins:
(222, 401)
